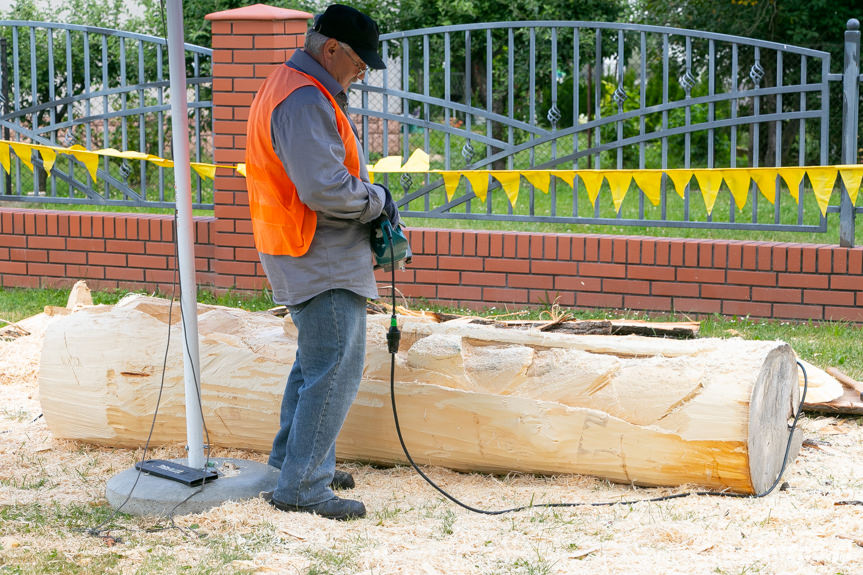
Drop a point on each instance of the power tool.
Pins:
(389, 245)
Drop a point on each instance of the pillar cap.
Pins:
(259, 12)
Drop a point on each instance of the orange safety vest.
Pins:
(282, 224)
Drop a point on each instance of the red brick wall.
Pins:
(474, 269)
(44, 248)
(511, 270)
(463, 268)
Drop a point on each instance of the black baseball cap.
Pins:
(355, 29)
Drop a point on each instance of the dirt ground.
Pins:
(52, 490)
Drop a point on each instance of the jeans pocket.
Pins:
(295, 309)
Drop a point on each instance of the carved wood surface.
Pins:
(471, 397)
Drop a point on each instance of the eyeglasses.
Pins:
(361, 66)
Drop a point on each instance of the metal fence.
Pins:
(589, 95)
(504, 95)
(64, 84)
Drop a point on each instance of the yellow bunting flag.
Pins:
(48, 157)
(540, 179)
(450, 183)
(793, 177)
(23, 152)
(851, 177)
(650, 183)
(388, 164)
(737, 180)
(592, 182)
(765, 179)
(128, 154)
(510, 182)
(567, 176)
(4, 157)
(618, 182)
(479, 181)
(709, 181)
(417, 162)
(822, 180)
(206, 171)
(162, 162)
(89, 159)
(680, 179)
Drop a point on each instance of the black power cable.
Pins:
(97, 531)
(393, 337)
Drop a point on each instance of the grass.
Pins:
(537, 565)
(838, 344)
(331, 561)
(19, 303)
(53, 524)
(58, 561)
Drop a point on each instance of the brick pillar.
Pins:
(248, 43)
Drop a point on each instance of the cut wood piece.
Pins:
(679, 330)
(675, 330)
(79, 295)
(821, 386)
(849, 402)
(586, 327)
(647, 411)
(845, 379)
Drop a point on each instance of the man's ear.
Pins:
(330, 47)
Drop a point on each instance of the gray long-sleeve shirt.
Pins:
(307, 141)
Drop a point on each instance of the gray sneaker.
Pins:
(335, 508)
(342, 480)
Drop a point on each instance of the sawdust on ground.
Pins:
(411, 529)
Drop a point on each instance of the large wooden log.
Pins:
(470, 397)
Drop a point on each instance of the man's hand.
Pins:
(390, 210)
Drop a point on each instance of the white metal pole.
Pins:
(185, 233)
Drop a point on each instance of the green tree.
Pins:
(56, 96)
(815, 24)
(416, 14)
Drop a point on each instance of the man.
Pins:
(312, 206)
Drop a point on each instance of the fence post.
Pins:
(850, 103)
(4, 93)
(248, 43)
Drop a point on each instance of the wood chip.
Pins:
(583, 554)
(857, 542)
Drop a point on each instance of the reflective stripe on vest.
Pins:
(282, 224)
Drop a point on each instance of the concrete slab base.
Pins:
(238, 480)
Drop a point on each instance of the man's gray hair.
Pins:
(315, 42)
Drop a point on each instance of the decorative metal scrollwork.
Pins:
(554, 115)
(756, 72)
(467, 152)
(688, 80)
(406, 181)
(620, 96)
(125, 170)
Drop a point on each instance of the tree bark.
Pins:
(632, 409)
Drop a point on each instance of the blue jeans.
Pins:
(323, 383)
